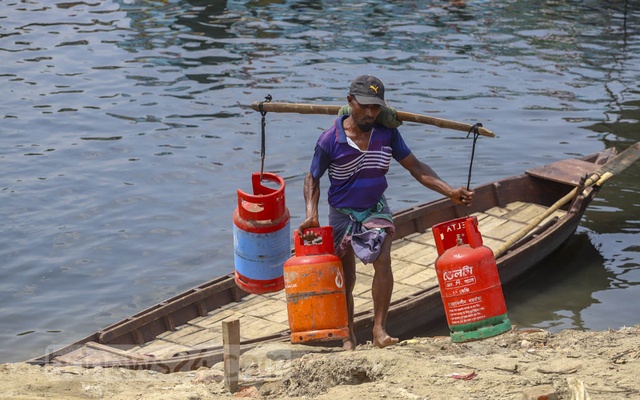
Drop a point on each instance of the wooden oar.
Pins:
(333, 110)
(616, 165)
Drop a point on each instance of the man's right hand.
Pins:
(306, 224)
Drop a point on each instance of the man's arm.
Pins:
(428, 177)
(311, 199)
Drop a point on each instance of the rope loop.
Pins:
(475, 129)
(267, 99)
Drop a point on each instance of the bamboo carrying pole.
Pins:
(333, 110)
(618, 164)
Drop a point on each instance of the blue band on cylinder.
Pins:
(261, 256)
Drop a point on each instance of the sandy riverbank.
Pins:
(517, 364)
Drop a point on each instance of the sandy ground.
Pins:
(520, 364)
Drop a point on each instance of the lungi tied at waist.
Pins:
(364, 231)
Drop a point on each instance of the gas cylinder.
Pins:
(469, 282)
(261, 236)
(315, 292)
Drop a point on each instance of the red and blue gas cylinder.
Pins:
(261, 236)
(314, 286)
(469, 282)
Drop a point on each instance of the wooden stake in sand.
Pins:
(231, 343)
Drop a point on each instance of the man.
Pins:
(357, 152)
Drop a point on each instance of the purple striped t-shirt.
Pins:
(357, 178)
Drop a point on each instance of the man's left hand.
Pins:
(462, 196)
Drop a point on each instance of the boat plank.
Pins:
(425, 238)
(492, 243)
(362, 303)
(425, 278)
(253, 328)
(363, 283)
(423, 253)
(401, 290)
(266, 307)
(183, 331)
(412, 273)
(503, 230)
(426, 258)
(526, 213)
(479, 215)
(161, 348)
(279, 317)
(365, 269)
(202, 338)
(250, 328)
(210, 318)
(494, 212)
(556, 215)
(490, 223)
(252, 301)
(564, 171)
(416, 253)
(401, 247)
(93, 352)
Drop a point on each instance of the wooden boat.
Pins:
(522, 218)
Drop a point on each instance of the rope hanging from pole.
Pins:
(263, 125)
(475, 129)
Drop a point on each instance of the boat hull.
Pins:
(504, 206)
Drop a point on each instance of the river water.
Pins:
(126, 131)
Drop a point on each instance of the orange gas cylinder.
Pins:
(469, 282)
(314, 287)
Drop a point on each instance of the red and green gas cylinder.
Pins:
(469, 282)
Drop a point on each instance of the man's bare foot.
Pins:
(350, 344)
(384, 340)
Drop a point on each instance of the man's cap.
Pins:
(368, 89)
